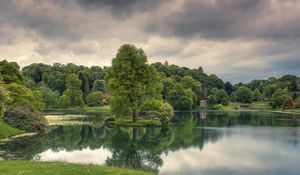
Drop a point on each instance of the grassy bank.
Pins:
(51, 168)
(6, 130)
(256, 106)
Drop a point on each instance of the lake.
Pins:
(203, 142)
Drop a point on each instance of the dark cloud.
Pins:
(122, 7)
(236, 34)
(227, 19)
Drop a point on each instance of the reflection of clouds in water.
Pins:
(86, 156)
(234, 155)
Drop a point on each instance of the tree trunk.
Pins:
(134, 116)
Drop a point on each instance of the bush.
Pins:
(95, 99)
(288, 104)
(24, 119)
(158, 109)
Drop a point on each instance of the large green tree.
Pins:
(72, 96)
(10, 72)
(130, 81)
(180, 98)
(279, 97)
(244, 94)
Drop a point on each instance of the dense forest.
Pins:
(27, 92)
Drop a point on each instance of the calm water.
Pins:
(197, 143)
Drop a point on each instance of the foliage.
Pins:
(95, 99)
(168, 84)
(180, 98)
(22, 96)
(72, 96)
(50, 97)
(130, 80)
(243, 94)
(228, 88)
(99, 85)
(222, 97)
(257, 96)
(84, 85)
(158, 109)
(189, 83)
(279, 98)
(10, 72)
(4, 98)
(212, 100)
(24, 119)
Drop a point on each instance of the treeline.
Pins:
(70, 85)
(184, 88)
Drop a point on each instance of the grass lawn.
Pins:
(6, 130)
(260, 106)
(52, 168)
(97, 109)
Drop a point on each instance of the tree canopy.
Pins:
(131, 81)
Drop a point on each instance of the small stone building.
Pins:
(203, 103)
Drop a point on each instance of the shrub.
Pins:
(24, 119)
(95, 99)
(288, 104)
(158, 109)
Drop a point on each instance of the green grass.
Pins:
(97, 109)
(256, 106)
(6, 130)
(52, 168)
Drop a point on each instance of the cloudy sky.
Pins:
(238, 40)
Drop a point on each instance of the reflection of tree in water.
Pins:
(137, 148)
(227, 119)
(141, 148)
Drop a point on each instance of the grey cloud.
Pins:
(122, 7)
(227, 19)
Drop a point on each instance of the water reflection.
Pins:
(196, 143)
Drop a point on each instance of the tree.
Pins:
(228, 88)
(288, 103)
(212, 100)
(22, 96)
(130, 80)
(84, 85)
(180, 98)
(50, 97)
(279, 97)
(72, 96)
(243, 94)
(189, 83)
(4, 97)
(222, 97)
(95, 99)
(99, 85)
(257, 96)
(168, 84)
(10, 72)
(269, 89)
(214, 81)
